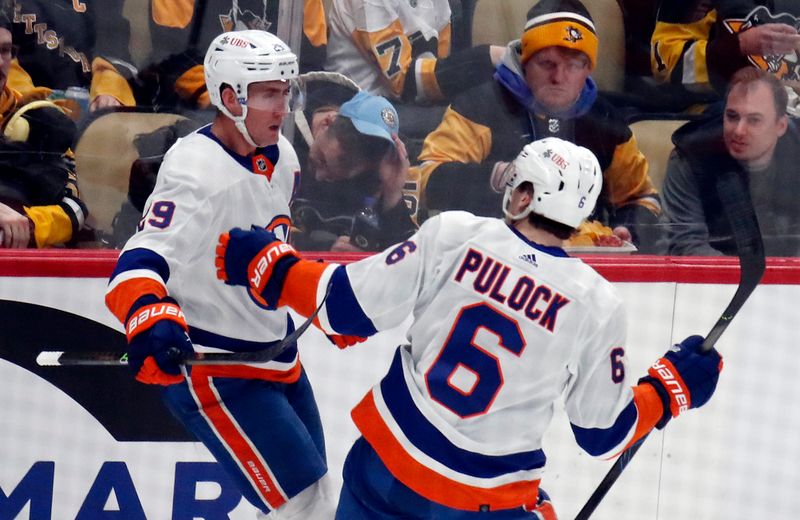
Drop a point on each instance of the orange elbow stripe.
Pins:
(300, 287)
(650, 409)
(121, 298)
(428, 483)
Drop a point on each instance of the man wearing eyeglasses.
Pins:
(39, 203)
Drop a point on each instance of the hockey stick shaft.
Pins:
(59, 358)
(750, 249)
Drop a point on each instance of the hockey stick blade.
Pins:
(752, 262)
(60, 358)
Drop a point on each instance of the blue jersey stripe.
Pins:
(598, 441)
(344, 312)
(271, 152)
(141, 258)
(211, 339)
(433, 443)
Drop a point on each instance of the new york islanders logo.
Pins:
(783, 66)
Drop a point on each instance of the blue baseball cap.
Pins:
(372, 115)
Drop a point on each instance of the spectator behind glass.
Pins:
(351, 193)
(401, 50)
(71, 43)
(756, 139)
(39, 204)
(541, 89)
(698, 44)
(180, 33)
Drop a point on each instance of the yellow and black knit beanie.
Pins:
(562, 23)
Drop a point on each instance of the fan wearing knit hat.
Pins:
(542, 88)
(560, 23)
(557, 53)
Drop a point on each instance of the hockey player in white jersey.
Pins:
(260, 421)
(505, 322)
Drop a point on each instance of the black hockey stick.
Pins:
(60, 358)
(750, 249)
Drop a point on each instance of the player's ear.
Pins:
(525, 194)
(230, 101)
(783, 124)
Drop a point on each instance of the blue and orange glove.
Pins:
(342, 341)
(255, 259)
(543, 509)
(157, 341)
(684, 378)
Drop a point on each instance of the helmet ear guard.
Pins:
(566, 181)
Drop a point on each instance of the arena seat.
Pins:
(138, 14)
(654, 136)
(501, 21)
(103, 158)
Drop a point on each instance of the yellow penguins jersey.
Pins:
(503, 327)
(378, 44)
(678, 44)
(694, 43)
(204, 189)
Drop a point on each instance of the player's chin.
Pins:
(268, 135)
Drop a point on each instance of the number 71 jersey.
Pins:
(502, 328)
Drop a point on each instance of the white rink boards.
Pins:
(735, 459)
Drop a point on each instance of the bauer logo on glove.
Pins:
(673, 384)
(263, 263)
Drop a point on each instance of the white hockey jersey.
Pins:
(502, 328)
(374, 42)
(203, 190)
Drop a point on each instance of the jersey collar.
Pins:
(550, 250)
(271, 152)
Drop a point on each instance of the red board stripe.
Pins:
(99, 263)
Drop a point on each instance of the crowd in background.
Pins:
(458, 109)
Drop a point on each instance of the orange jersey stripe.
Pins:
(649, 407)
(234, 441)
(426, 481)
(121, 298)
(300, 287)
(249, 372)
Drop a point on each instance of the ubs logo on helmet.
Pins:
(782, 66)
(234, 42)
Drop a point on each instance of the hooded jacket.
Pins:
(495, 120)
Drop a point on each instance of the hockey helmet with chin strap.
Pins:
(566, 181)
(240, 58)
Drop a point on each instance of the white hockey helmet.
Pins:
(239, 58)
(566, 181)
